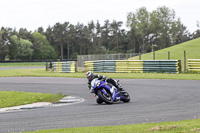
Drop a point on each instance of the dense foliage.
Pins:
(159, 29)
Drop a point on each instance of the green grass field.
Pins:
(192, 49)
(13, 98)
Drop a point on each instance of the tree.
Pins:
(39, 40)
(139, 22)
(105, 34)
(72, 42)
(196, 34)
(179, 33)
(133, 45)
(155, 28)
(159, 28)
(60, 35)
(97, 39)
(14, 46)
(46, 52)
(79, 38)
(40, 30)
(166, 19)
(25, 50)
(115, 35)
(51, 39)
(25, 34)
(166, 29)
(4, 42)
(92, 37)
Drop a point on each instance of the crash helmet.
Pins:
(89, 75)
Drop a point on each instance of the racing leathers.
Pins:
(109, 80)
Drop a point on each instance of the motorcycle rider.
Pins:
(90, 76)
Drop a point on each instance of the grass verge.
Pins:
(13, 98)
(164, 127)
(42, 73)
(22, 64)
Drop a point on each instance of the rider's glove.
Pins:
(91, 91)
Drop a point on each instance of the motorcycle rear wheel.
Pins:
(126, 97)
(105, 98)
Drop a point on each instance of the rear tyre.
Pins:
(126, 97)
(105, 98)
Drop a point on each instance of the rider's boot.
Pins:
(119, 87)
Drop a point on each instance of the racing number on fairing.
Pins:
(98, 84)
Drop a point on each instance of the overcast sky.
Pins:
(32, 14)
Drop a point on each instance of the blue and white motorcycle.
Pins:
(105, 92)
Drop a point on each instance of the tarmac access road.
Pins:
(151, 101)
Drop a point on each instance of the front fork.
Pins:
(104, 92)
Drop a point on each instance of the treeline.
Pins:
(159, 28)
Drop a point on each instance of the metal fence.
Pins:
(143, 66)
(120, 56)
(167, 55)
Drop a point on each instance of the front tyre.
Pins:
(105, 98)
(126, 97)
(98, 100)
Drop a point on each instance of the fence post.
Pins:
(179, 66)
(83, 59)
(168, 55)
(76, 67)
(153, 55)
(89, 57)
(78, 60)
(47, 66)
(139, 55)
(184, 61)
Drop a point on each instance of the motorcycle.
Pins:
(107, 93)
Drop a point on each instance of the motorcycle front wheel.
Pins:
(105, 98)
(98, 100)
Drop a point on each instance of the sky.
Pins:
(31, 14)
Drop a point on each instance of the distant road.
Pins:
(31, 67)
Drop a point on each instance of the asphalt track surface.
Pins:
(151, 101)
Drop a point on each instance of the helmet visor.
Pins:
(89, 77)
